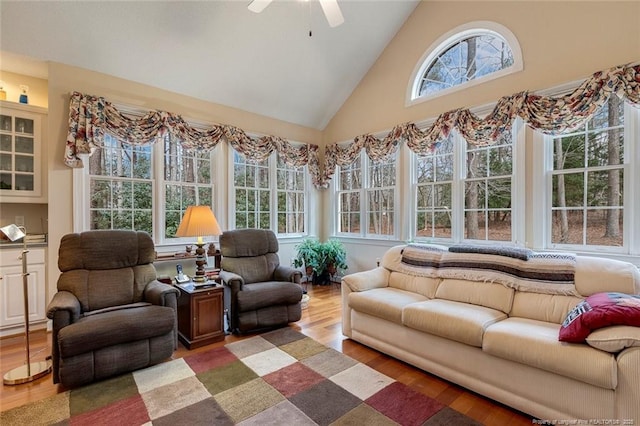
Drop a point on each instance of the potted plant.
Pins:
(308, 256)
(334, 256)
(320, 260)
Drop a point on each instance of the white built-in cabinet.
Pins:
(11, 289)
(22, 153)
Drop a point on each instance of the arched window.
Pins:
(470, 54)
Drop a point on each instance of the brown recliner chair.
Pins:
(259, 292)
(110, 315)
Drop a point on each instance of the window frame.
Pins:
(542, 187)
(364, 192)
(273, 196)
(458, 207)
(450, 38)
(81, 179)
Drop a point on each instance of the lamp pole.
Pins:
(30, 371)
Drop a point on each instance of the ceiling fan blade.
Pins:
(332, 12)
(258, 6)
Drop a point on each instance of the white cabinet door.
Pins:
(11, 293)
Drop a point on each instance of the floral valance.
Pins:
(90, 117)
(549, 115)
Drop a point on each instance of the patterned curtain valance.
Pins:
(550, 115)
(90, 117)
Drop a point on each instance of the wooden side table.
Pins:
(200, 314)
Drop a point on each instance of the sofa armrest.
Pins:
(232, 280)
(64, 306)
(287, 273)
(63, 309)
(367, 280)
(161, 294)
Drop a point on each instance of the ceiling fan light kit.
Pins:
(329, 7)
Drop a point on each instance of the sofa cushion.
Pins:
(425, 286)
(115, 327)
(535, 343)
(259, 295)
(614, 339)
(542, 307)
(386, 303)
(597, 311)
(595, 275)
(495, 296)
(457, 321)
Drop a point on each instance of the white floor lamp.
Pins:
(31, 370)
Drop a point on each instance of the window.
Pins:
(261, 188)
(187, 177)
(588, 181)
(349, 192)
(480, 185)
(291, 198)
(252, 193)
(378, 191)
(487, 195)
(126, 191)
(434, 188)
(121, 186)
(472, 53)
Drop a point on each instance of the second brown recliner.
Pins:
(260, 293)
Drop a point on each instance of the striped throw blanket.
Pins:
(549, 273)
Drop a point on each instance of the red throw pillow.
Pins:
(597, 311)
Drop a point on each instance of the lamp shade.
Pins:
(12, 232)
(197, 222)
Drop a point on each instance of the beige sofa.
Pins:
(500, 338)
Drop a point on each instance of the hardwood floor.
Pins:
(321, 321)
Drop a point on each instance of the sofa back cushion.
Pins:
(542, 307)
(424, 286)
(104, 268)
(597, 275)
(494, 296)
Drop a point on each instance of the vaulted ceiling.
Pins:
(285, 62)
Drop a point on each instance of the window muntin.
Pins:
(261, 188)
(488, 191)
(121, 186)
(434, 187)
(467, 58)
(367, 201)
(587, 184)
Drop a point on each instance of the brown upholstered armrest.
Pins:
(232, 280)
(287, 273)
(64, 304)
(161, 294)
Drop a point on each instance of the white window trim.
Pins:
(82, 196)
(364, 210)
(273, 196)
(518, 188)
(454, 35)
(541, 182)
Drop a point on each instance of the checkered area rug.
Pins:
(278, 378)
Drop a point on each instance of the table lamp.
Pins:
(199, 221)
(31, 370)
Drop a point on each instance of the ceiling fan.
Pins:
(329, 7)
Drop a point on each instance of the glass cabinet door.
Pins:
(18, 152)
